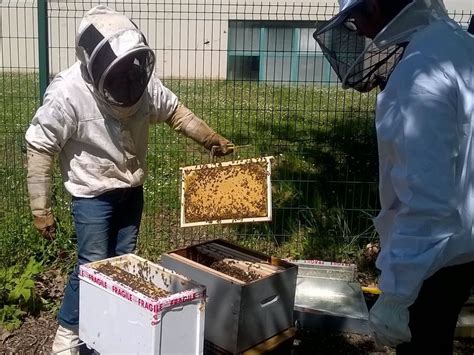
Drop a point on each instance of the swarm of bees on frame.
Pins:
(226, 192)
(217, 263)
(135, 282)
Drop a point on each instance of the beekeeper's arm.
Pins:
(418, 112)
(183, 120)
(49, 130)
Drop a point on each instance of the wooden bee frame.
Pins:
(229, 192)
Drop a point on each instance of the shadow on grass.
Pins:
(324, 184)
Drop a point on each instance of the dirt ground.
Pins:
(36, 337)
(36, 334)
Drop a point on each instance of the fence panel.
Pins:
(255, 74)
(19, 93)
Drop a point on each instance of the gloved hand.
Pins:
(218, 145)
(389, 319)
(46, 226)
(186, 122)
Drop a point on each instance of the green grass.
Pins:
(18, 239)
(323, 181)
(324, 144)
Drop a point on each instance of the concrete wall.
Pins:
(190, 37)
(18, 36)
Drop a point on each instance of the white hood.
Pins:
(414, 17)
(104, 38)
(364, 64)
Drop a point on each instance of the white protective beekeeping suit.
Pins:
(425, 126)
(426, 115)
(96, 115)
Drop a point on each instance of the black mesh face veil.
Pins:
(357, 62)
(119, 79)
(92, 40)
(127, 78)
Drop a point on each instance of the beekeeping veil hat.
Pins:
(116, 59)
(361, 63)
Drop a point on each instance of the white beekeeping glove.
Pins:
(389, 318)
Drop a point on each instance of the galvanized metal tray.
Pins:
(229, 192)
(328, 297)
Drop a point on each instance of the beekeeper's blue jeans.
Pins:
(106, 226)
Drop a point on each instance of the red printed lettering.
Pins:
(149, 306)
(98, 281)
(122, 293)
(314, 262)
(183, 299)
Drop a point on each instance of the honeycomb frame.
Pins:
(229, 192)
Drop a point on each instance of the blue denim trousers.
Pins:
(106, 226)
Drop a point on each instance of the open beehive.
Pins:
(130, 305)
(250, 295)
(230, 263)
(228, 192)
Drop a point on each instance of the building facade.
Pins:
(206, 39)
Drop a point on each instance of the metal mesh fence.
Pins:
(19, 98)
(255, 74)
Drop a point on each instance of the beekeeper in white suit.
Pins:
(95, 116)
(423, 62)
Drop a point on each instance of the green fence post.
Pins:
(43, 46)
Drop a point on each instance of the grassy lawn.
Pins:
(324, 188)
